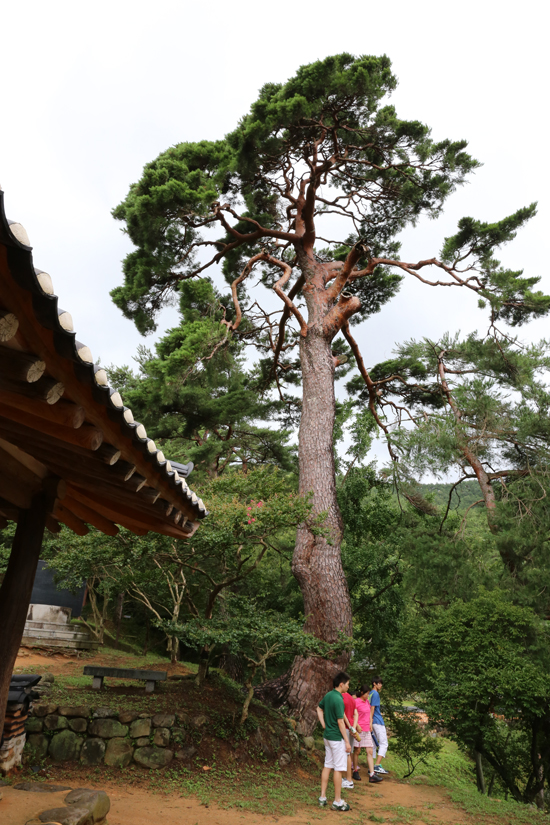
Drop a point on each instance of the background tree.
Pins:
(197, 399)
(318, 154)
(478, 406)
(482, 668)
(95, 559)
(177, 580)
(374, 563)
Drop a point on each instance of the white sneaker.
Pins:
(347, 783)
(380, 769)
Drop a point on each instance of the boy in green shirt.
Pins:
(337, 746)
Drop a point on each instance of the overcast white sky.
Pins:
(93, 91)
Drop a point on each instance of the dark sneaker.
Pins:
(380, 769)
(322, 802)
(374, 778)
(356, 776)
(343, 806)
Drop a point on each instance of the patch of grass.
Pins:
(503, 812)
(272, 791)
(453, 770)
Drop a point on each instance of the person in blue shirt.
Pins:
(379, 733)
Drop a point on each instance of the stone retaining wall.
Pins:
(102, 735)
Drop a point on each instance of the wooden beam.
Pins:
(123, 514)
(64, 413)
(71, 462)
(17, 342)
(45, 389)
(136, 482)
(87, 436)
(16, 492)
(55, 486)
(20, 366)
(15, 593)
(167, 506)
(44, 447)
(8, 325)
(18, 484)
(149, 494)
(12, 467)
(8, 510)
(29, 461)
(90, 516)
(123, 471)
(61, 513)
(52, 525)
(90, 476)
(108, 454)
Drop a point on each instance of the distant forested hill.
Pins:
(465, 494)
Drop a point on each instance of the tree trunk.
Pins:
(97, 629)
(203, 665)
(15, 593)
(249, 696)
(274, 691)
(119, 611)
(174, 649)
(480, 779)
(317, 562)
(232, 665)
(146, 644)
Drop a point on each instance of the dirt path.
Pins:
(71, 663)
(393, 801)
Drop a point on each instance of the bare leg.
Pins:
(379, 759)
(348, 772)
(356, 752)
(337, 786)
(369, 760)
(324, 781)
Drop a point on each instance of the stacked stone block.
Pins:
(105, 736)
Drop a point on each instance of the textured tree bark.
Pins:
(317, 563)
(15, 593)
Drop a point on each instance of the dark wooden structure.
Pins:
(149, 676)
(70, 451)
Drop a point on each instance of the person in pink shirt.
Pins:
(363, 710)
(350, 720)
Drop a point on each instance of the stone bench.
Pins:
(148, 676)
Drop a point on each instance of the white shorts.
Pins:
(382, 737)
(335, 755)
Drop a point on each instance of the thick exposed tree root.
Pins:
(274, 692)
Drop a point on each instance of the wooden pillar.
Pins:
(15, 593)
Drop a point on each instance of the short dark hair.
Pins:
(363, 689)
(377, 681)
(339, 679)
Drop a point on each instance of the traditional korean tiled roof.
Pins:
(59, 417)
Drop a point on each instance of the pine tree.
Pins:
(195, 394)
(322, 150)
